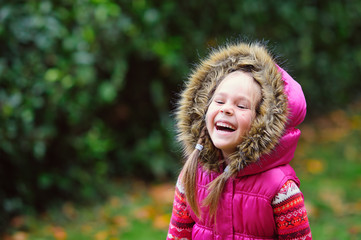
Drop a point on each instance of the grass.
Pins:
(327, 162)
(134, 211)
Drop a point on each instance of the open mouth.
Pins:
(221, 126)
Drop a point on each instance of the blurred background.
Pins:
(88, 89)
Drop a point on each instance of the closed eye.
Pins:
(242, 106)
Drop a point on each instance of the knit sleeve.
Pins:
(290, 213)
(181, 223)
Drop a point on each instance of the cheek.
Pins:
(246, 122)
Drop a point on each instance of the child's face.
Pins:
(232, 110)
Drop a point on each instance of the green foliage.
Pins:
(87, 87)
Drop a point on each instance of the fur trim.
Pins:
(267, 128)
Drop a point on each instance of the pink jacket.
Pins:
(245, 210)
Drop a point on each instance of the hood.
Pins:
(272, 138)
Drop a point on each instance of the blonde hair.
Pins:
(189, 171)
(189, 175)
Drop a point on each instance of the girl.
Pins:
(236, 120)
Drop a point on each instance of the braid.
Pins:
(189, 179)
(189, 174)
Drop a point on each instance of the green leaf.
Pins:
(107, 92)
(52, 75)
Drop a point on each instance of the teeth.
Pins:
(220, 124)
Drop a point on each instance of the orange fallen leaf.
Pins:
(20, 236)
(120, 221)
(144, 213)
(115, 201)
(334, 199)
(315, 166)
(113, 232)
(356, 122)
(102, 235)
(59, 233)
(355, 229)
(312, 210)
(162, 194)
(355, 207)
(161, 221)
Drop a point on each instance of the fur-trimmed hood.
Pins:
(272, 138)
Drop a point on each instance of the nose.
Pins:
(227, 110)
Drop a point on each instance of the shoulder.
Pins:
(280, 172)
(276, 177)
(269, 183)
